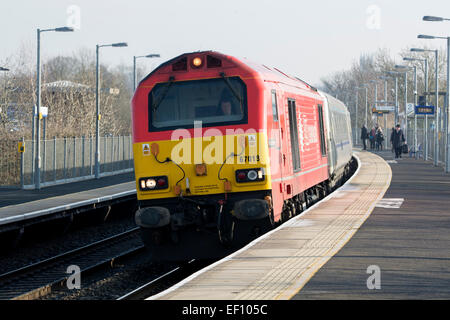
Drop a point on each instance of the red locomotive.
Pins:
(225, 148)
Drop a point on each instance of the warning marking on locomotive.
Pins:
(146, 149)
(206, 188)
(252, 140)
(390, 203)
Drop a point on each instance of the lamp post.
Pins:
(356, 118)
(394, 74)
(447, 118)
(37, 160)
(385, 78)
(436, 160)
(375, 97)
(4, 69)
(364, 86)
(426, 98)
(415, 102)
(97, 103)
(152, 55)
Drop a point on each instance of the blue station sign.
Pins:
(424, 110)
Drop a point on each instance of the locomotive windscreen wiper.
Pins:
(161, 97)
(236, 94)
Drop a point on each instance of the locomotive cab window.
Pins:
(214, 102)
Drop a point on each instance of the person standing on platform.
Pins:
(379, 139)
(364, 136)
(372, 138)
(398, 139)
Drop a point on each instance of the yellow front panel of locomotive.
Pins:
(208, 152)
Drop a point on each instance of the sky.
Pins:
(308, 39)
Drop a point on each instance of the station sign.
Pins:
(424, 110)
(383, 109)
(43, 112)
(410, 109)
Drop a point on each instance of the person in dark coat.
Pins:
(372, 136)
(379, 139)
(364, 136)
(397, 141)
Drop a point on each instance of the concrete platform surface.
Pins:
(407, 237)
(278, 264)
(17, 205)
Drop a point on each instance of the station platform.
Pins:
(280, 263)
(17, 206)
(407, 237)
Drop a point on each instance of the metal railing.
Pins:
(63, 160)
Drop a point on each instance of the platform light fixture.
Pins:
(97, 103)
(425, 125)
(37, 160)
(152, 55)
(447, 129)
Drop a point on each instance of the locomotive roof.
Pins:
(267, 73)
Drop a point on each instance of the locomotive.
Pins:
(225, 149)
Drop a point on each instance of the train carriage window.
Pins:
(214, 102)
(293, 128)
(322, 131)
(274, 106)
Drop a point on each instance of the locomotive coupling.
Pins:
(152, 217)
(251, 209)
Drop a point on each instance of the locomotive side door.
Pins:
(276, 145)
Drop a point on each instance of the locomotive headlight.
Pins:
(252, 175)
(197, 62)
(153, 183)
(150, 183)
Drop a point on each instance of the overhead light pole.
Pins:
(364, 86)
(356, 117)
(425, 125)
(436, 160)
(375, 95)
(97, 103)
(447, 118)
(415, 103)
(394, 74)
(5, 70)
(386, 132)
(37, 114)
(152, 55)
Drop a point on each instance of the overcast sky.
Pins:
(309, 39)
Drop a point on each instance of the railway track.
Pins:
(166, 280)
(38, 279)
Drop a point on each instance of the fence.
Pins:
(431, 138)
(64, 160)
